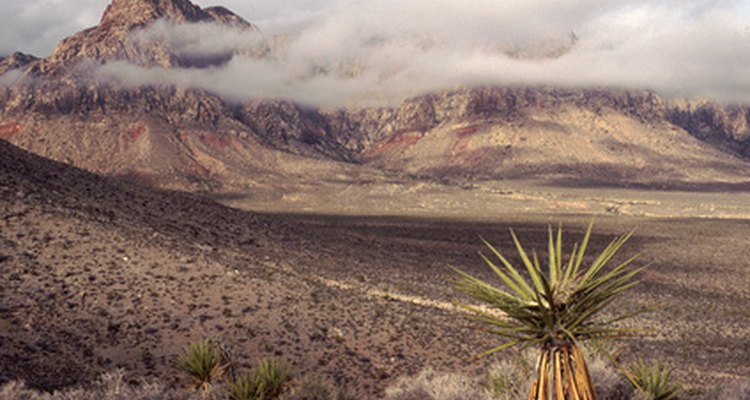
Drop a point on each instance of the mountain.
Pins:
(179, 137)
(110, 40)
(15, 61)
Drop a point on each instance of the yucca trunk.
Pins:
(562, 375)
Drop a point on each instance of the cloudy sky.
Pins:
(35, 26)
(403, 47)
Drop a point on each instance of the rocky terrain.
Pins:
(104, 266)
(102, 274)
(193, 139)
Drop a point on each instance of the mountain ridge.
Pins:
(180, 135)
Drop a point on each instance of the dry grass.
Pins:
(432, 385)
(316, 389)
(110, 386)
(608, 382)
(508, 379)
(736, 391)
(511, 378)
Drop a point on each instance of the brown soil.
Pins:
(99, 274)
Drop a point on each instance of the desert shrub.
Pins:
(736, 391)
(315, 389)
(203, 362)
(271, 376)
(310, 389)
(110, 386)
(431, 385)
(653, 382)
(266, 381)
(609, 383)
(510, 379)
(244, 387)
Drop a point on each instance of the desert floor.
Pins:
(99, 274)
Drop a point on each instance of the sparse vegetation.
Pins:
(554, 310)
(316, 389)
(245, 387)
(432, 385)
(653, 382)
(109, 386)
(265, 382)
(509, 379)
(271, 376)
(203, 361)
(736, 391)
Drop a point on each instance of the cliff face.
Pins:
(727, 127)
(189, 138)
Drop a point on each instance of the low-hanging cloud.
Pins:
(11, 78)
(372, 53)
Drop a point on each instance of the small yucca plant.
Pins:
(553, 309)
(272, 376)
(203, 362)
(244, 387)
(265, 382)
(653, 381)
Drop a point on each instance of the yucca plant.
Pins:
(265, 382)
(272, 375)
(554, 309)
(653, 381)
(203, 362)
(244, 387)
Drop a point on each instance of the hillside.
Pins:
(181, 137)
(102, 274)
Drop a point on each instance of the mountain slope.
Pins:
(590, 135)
(100, 274)
(193, 139)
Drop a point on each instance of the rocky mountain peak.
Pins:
(131, 13)
(111, 39)
(15, 61)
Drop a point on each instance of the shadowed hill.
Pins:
(99, 274)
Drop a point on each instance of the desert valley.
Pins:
(140, 213)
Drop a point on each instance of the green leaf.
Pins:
(527, 262)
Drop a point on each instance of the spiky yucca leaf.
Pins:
(272, 375)
(552, 305)
(203, 362)
(265, 382)
(244, 387)
(654, 381)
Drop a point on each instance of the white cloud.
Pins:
(399, 48)
(381, 51)
(11, 78)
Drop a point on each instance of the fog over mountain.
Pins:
(329, 53)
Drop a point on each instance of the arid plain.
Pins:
(105, 274)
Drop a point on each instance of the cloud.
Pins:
(262, 10)
(35, 26)
(11, 78)
(361, 52)
(198, 40)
